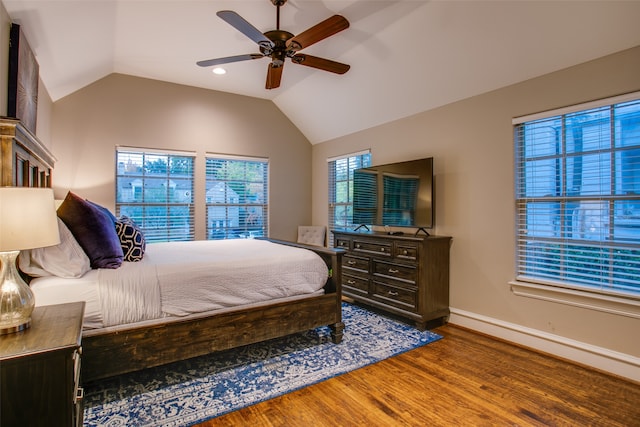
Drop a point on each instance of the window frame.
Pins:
(131, 207)
(616, 300)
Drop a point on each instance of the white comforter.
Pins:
(182, 278)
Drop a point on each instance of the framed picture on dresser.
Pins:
(22, 99)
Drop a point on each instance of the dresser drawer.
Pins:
(369, 247)
(407, 273)
(357, 263)
(355, 284)
(343, 243)
(406, 252)
(398, 296)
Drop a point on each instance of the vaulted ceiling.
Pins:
(406, 56)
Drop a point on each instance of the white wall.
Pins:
(472, 145)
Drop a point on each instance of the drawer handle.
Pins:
(381, 249)
(351, 262)
(392, 294)
(405, 252)
(79, 394)
(358, 245)
(351, 282)
(393, 271)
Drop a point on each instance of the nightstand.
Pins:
(40, 369)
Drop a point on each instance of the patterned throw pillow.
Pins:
(131, 239)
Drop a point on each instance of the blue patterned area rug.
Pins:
(192, 391)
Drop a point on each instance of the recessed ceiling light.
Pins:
(219, 71)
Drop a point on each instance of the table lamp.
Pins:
(27, 220)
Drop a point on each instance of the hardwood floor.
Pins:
(465, 379)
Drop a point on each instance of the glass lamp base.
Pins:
(18, 328)
(16, 299)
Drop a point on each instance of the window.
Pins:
(155, 189)
(236, 197)
(578, 197)
(341, 187)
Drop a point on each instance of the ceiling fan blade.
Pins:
(240, 24)
(320, 63)
(318, 32)
(229, 59)
(274, 75)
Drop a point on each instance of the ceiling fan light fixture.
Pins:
(219, 71)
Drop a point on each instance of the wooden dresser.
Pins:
(405, 275)
(40, 369)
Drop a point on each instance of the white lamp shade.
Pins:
(28, 218)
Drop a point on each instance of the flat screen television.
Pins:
(395, 195)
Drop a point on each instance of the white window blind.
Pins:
(578, 198)
(341, 187)
(155, 189)
(236, 197)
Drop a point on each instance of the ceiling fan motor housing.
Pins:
(278, 52)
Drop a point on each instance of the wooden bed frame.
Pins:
(139, 347)
(25, 161)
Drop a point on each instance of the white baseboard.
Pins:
(600, 358)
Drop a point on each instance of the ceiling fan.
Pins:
(279, 44)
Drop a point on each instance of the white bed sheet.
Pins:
(52, 290)
(183, 278)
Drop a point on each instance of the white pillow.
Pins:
(66, 259)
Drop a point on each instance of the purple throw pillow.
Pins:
(94, 230)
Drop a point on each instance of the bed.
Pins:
(182, 324)
(170, 330)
